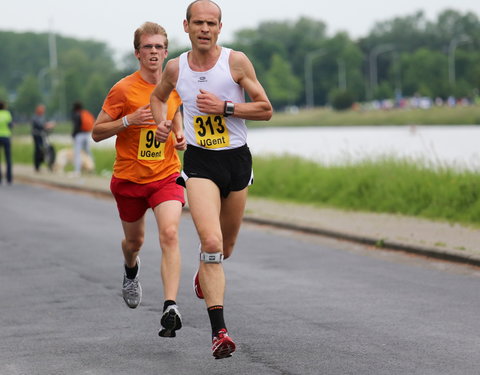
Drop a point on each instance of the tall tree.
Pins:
(425, 72)
(281, 84)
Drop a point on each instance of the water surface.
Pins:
(454, 146)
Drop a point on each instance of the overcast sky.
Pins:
(113, 21)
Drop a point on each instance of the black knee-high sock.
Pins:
(215, 313)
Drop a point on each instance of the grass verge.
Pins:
(388, 186)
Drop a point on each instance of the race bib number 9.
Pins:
(148, 147)
(211, 131)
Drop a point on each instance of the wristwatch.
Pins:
(229, 108)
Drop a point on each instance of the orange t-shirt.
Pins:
(139, 158)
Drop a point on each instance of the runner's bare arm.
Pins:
(159, 97)
(177, 128)
(243, 73)
(106, 127)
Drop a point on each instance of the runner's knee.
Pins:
(133, 244)
(211, 244)
(168, 236)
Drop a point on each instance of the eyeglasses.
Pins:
(149, 47)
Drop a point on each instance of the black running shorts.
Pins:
(230, 170)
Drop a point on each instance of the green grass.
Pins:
(22, 153)
(104, 159)
(388, 186)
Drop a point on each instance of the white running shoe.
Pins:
(132, 290)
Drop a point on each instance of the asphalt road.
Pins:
(296, 304)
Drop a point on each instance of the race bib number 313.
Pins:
(211, 131)
(148, 147)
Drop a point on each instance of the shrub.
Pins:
(341, 100)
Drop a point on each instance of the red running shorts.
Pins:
(134, 199)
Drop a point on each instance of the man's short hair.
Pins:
(149, 28)
(189, 10)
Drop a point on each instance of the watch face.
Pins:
(229, 108)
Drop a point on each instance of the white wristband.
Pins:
(125, 122)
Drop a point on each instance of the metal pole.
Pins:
(398, 78)
(56, 78)
(342, 75)
(451, 55)
(377, 50)
(40, 78)
(309, 75)
(52, 48)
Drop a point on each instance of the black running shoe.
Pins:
(171, 321)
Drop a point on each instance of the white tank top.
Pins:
(215, 132)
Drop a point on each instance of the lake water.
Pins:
(454, 146)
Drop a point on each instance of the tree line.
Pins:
(298, 63)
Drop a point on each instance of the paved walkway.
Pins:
(438, 239)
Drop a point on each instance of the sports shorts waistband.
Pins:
(227, 151)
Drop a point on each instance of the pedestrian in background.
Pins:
(6, 123)
(83, 122)
(40, 127)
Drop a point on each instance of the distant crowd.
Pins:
(422, 102)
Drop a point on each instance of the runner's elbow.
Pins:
(96, 138)
(268, 113)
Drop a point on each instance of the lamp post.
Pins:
(342, 74)
(377, 50)
(57, 79)
(309, 75)
(40, 78)
(452, 47)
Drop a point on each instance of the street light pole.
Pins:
(377, 50)
(342, 75)
(309, 75)
(41, 78)
(451, 55)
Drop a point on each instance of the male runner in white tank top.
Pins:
(211, 81)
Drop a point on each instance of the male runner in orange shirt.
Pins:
(145, 170)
